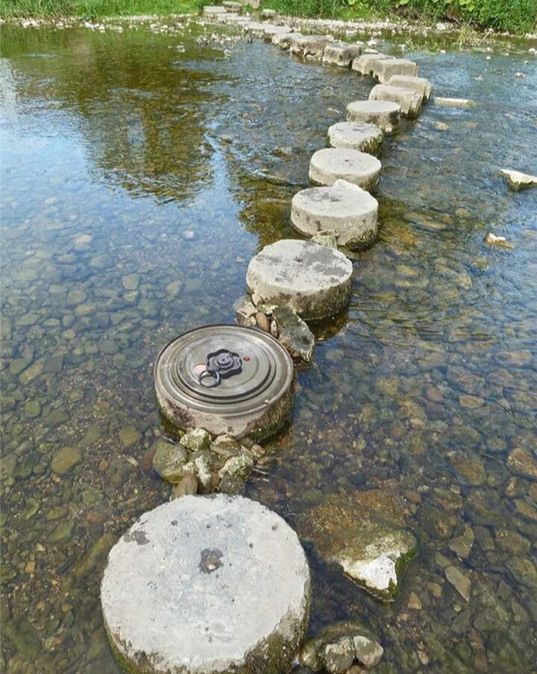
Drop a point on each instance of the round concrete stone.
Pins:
(384, 114)
(331, 164)
(313, 280)
(357, 136)
(346, 209)
(206, 585)
(386, 68)
(419, 84)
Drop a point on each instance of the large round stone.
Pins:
(384, 114)
(312, 279)
(348, 210)
(357, 136)
(386, 68)
(206, 585)
(331, 164)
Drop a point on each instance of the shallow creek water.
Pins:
(137, 181)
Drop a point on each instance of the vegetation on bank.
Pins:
(512, 15)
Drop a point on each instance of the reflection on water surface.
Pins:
(138, 180)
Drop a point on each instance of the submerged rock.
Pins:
(518, 181)
(294, 334)
(65, 459)
(354, 532)
(169, 460)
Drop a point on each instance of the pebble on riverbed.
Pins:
(518, 181)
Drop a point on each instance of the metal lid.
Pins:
(223, 369)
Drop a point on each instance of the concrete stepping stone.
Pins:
(359, 168)
(384, 114)
(346, 209)
(313, 280)
(286, 40)
(408, 99)
(365, 64)
(356, 135)
(342, 53)
(268, 13)
(255, 28)
(214, 10)
(310, 47)
(386, 68)
(206, 585)
(233, 7)
(271, 30)
(419, 84)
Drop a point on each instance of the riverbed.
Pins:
(141, 170)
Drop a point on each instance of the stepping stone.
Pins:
(233, 7)
(286, 40)
(419, 84)
(205, 585)
(384, 114)
(268, 13)
(271, 30)
(313, 280)
(310, 47)
(330, 164)
(356, 135)
(342, 53)
(214, 10)
(366, 63)
(255, 28)
(346, 209)
(408, 99)
(385, 69)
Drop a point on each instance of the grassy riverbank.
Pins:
(518, 16)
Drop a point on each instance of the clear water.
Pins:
(138, 180)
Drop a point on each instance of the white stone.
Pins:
(384, 114)
(518, 181)
(332, 163)
(408, 99)
(385, 68)
(231, 6)
(346, 209)
(206, 585)
(314, 280)
(454, 102)
(270, 31)
(419, 84)
(365, 64)
(342, 53)
(357, 136)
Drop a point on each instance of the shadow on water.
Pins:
(418, 392)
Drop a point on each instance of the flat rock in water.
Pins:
(454, 102)
(386, 68)
(366, 542)
(518, 181)
(408, 99)
(384, 114)
(344, 208)
(331, 164)
(419, 84)
(314, 280)
(342, 53)
(214, 10)
(205, 585)
(365, 64)
(357, 136)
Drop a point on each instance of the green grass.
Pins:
(94, 8)
(513, 15)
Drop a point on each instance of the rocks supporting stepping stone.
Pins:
(356, 135)
(205, 585)
(312, 279)
(419, 84)
(384, 114)
(330, 164)
(342, 53)
(365, 64)
(348, 210)
(385, 69)
(408, 99)
(310, 47)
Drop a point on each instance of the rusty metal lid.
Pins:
(223, 369)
